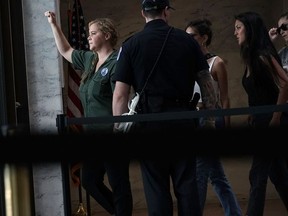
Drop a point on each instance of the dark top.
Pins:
(174, 76)
(260, 95)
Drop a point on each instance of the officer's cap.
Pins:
(148, 5)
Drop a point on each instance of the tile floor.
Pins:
(273, 207)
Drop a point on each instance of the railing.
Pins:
(62, 121)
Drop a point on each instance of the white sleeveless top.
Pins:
(215, 83)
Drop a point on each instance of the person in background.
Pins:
(96, 91)
(210, 167)
(275, 33)
(169, 89)
(281, 30)
(202, 32)
(265, 83)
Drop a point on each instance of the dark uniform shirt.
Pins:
(97, 90)
(174, 75)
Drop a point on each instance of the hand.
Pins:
(275, 121)
(120, 127)
(75, 174)
(116, 126)
(51, 17)
(273, 33)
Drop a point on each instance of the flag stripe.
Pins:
(75, 101)
(75, 76)
(73, 109)
(78, 40)
(73, 87)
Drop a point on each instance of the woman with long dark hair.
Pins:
(265, 83)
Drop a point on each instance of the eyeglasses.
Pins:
(284, 27)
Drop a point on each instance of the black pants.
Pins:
(261, 169)
(156, 180)
(118, 176)
(93, 182)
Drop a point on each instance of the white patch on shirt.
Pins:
(119, 53)
(104, 71)
(286, 68)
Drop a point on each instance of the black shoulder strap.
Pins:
(156, 60)
(209, 55)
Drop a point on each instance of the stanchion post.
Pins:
(61, 123)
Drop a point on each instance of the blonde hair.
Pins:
(106, 26)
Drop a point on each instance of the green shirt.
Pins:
(96, 90)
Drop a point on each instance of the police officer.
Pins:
(169, 89)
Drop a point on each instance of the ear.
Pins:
(142, 13)
(205, 38)
(107, 36)
(166, 11)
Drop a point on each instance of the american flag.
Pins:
(78, 40)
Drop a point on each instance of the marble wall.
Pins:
(44, 68)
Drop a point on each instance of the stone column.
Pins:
(44, 77)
